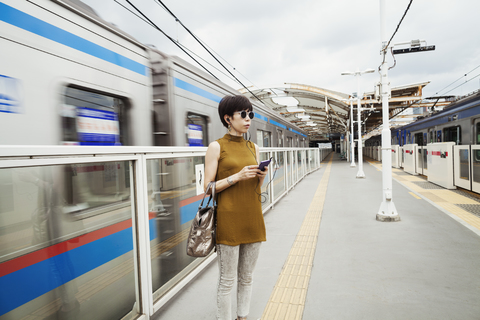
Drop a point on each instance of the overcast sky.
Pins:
(313, 42)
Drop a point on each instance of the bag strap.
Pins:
(211, 185)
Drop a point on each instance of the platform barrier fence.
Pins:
(100, 233)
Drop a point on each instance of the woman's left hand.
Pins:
(261, 174)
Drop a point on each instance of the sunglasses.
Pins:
(243, 114)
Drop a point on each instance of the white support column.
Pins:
(387, 211)
(352, 141)
(360, 173)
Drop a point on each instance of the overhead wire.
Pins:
(478, 75)
(170, 38)
(201, 43)
(462, 77)
(398, 26)
(179, 43)
(211, 49)
(384, 49)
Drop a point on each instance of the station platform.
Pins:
(327, 257)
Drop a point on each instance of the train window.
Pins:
(478, 133)
(439, 135)
(418, 139)
(452, 134)
(90, 118)
(264, 138)
(280, 138)
(6, 190)
(431, 135)
(196, 129)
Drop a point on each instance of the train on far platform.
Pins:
(445, 143)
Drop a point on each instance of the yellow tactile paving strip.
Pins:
(444, 198)
(287, 300)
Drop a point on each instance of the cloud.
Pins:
(312, 42)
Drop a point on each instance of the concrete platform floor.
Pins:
(426, 266)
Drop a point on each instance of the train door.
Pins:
(264, 138)
(431, 136)
(476, 157)
(280, 138)
(289, 142)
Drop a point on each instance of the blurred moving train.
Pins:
(68, 77)
(455, 131)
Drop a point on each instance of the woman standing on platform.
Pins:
(232, 162)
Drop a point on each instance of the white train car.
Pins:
(69, 78)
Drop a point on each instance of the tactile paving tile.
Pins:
(472, 208)
(432, 196)
(427, 185)
(467, 194)
(288, 297)
(452, 197)
(401, 173)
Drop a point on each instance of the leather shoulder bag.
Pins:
(201, 239)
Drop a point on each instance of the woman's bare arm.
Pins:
(211, 165)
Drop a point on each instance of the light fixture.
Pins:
(295, 109)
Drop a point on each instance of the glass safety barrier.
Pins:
(100, 233)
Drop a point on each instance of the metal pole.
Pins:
(387, 211)
(360, 173)
(352, 142)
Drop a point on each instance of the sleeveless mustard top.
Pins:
(239, 210)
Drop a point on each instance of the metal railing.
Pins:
(102, 231)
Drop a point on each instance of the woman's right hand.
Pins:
(247, 172)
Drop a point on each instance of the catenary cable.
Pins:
(201, 43)
(462, 77)
(170, 38)
(398, 26)
(179, 43)
(384, 50)
(478, 75)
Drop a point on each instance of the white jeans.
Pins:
(232, 262)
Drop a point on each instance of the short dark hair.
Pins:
(229, 104)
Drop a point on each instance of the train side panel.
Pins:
(53, 51)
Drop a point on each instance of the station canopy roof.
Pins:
(318, 111)
(323, 113)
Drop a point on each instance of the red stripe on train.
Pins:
(59, 248)
(191, 200)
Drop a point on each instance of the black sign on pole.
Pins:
(414, 49)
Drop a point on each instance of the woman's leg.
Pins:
(246, 264)
(227, 265)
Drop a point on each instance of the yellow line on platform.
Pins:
(414, 195)
(443, 198)
(287, 300)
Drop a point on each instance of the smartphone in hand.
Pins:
(263, 164)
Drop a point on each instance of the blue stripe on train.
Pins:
(31, 282)
(196, 90)
(39, 27)
(188, 212)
